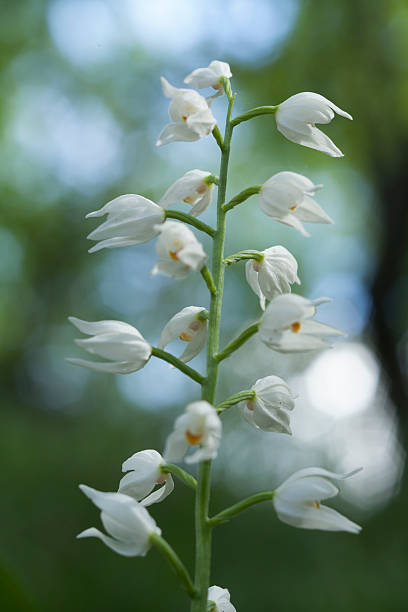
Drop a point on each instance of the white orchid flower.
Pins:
(296, 118)
(267, 411)
(179, 251)
(190, 325)
(128, 523)
(210, 76)
(132, 219)
(287, 198)
(273, 275)
(120, 343)
(143, 475)
(190, 113)
(297, 501)
(192, 188)
(220, 598)
(286, 326)
(199, 425)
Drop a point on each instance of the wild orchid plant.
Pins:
(286, 326)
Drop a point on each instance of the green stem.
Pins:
(175, 562)
(203, 530)
(186, 218)
(207, 276)
(258, 255)
(217, 135)
(177, 363)
(178, 472)
(236, 509)
(238, 341)
(242, 196)
(254, 112)
(242, 396)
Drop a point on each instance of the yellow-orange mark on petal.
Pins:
(185, 336)
(189, 200)
(161, 479)
(250, 405)
(174, 255)
(293, 207)
(193, 438)
(313, 504)
(295, 327)
(202, 188)
(184, 117)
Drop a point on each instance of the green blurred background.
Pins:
(80, 112)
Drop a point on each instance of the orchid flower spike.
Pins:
(191, 116)
(210, 76)
(132, 219)
(219, 600)
(273, 275)
(128, 523)
(296, 118)
(287, 198)
(190, 325)
(268, 409)
(179, 251)
(144, 473)
(286, 326)
(297, 501)
(193, 188)
(199, 425)
(120, 343)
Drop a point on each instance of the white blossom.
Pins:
(190, 325)
(128, 523)
(221, 599)
(273, 275)
(296, 118)
(287, 198)
(286, 326)
(297, 501)
(143, 475)
(268, 409)
(179, 251)
(120, 343)
(191, 188)
(210, 76)
(199, 425)
(132, 219)
(191, 116)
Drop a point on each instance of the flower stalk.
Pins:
(178, 472)
(232, 511)
(186, 218)
(175, 562)
(242, 196)
(177, 363)
(235, 399)
(254, 112)
(238, 341)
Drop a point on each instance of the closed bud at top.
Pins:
(131, 219)
(287, 198)
(272, 275)
(296, 118)
(143, 475)
(286, 326)
(179, 251)
(267, 411)
(199, 425)
(190, 325)
(128, 523)
(122, 344)
(210, 76)
(191, 188)
(190, 113)
(297, 501)
(220, 598)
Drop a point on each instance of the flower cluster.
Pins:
(286, 325)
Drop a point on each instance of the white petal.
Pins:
(196, 345)
(175, 269)
(202, 122)
(203, 203)
(160, 494)
(252, 279)
(127, 549)
(309, 517)
(118, 367)
(176, 447)
(177, 132)
(193, 255)
(310, 212)
(221, 68)
(178, 324)
(201, 77)
(103, 327)
(114, 243)
(184, 186)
